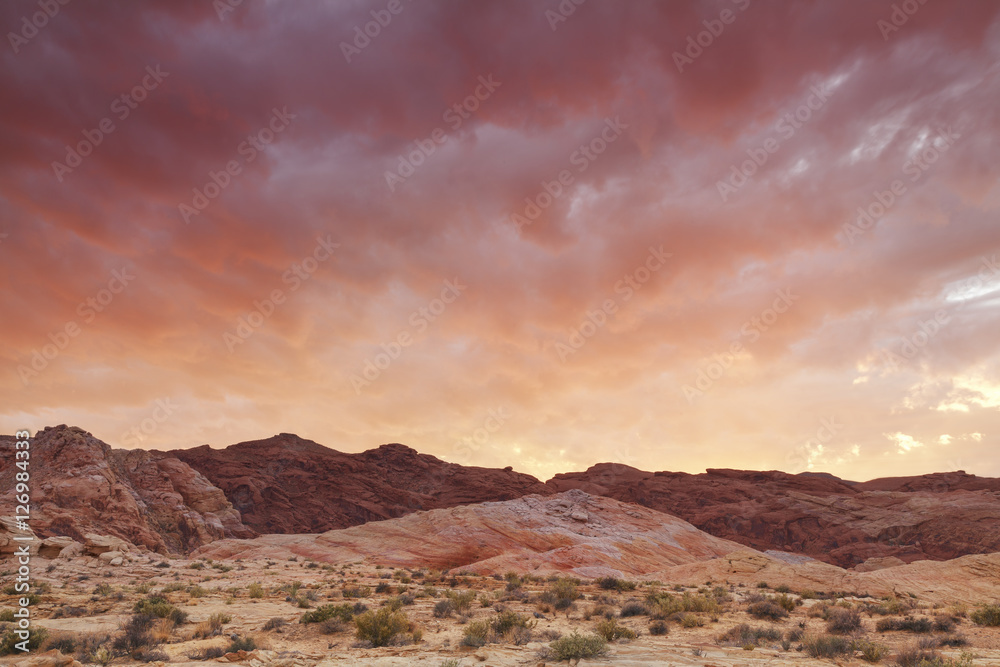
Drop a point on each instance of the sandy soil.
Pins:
(83, 598)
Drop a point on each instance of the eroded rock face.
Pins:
(572, 532)
(289, 485)
(935, 517)
(82, 488)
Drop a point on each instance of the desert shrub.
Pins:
(828, 646)
(7, 616)
(274, 624)
(344, 612)
(356, 591)
(211, 627)
(916, 657)
(907, 624)
(255, 590)
(461, 600)
(332, 626)
(506, 626)
(634, 608)
(767, 610)
(239, 643)
(381, 627)
(450, 662)
(611, 630)
(988, 615)
(65, 644)
(944, 623)
(615, 584)
(9, 641)
(659, 628)
(785, 602)
(687, 620)
(136, 634)
(872, 652)
(663, 605)
(564, 590)
(956, 640)
(159, 607)
(444, 608)
(843, 621)
(197, 591)
(576, 647)
(745, 635)
(382, 587)
(150, 655)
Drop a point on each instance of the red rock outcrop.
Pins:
(571, 532)
(839, 522)
(286, 484)
(80, 486)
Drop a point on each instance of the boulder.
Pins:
(59, 546)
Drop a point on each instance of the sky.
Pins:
(678, 236)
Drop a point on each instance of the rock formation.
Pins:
(286, 484)
(80, 486)
(935, 517)
(571, 532)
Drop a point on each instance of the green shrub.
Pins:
(461, 600)
(872, 652)
(988, 615)
(576, 647)
(159, 607)
(255, 590)
(381, 627)
(828, 646)
(767, 610)
(505, 627)
(908, 624)
(344, 612)
(241, 644)
(565, 592)
(611, 630)
(615, 584)
(9, 641)
(745, 635)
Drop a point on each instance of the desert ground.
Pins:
(258, 612)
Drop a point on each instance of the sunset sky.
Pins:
(542, 234)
